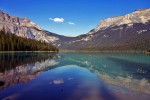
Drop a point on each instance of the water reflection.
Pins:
(130, 70)
(11, 60)
(75, 76)
(23, 67)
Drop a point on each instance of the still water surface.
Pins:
(74, 76)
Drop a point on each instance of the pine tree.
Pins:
(10, 42)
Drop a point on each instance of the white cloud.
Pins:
(57, 20)
(71, 23)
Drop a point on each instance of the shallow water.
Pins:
(75, 76)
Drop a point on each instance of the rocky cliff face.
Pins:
(128, 30)
(117, 32)
(139, 16)
(25, 28)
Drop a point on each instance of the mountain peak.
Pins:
(142, 9)
(25, 20)
(138, 10)
(1, 11)
(138, 16)
(23, 27)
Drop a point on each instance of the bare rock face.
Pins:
(24, 27)
(139, 16)
(128, 30)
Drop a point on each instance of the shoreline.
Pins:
(27, 51)
(100, 51)
(71, 51)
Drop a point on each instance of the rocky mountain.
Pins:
(23, 27)
(131, 31)
(128, 32)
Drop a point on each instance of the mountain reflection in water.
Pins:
(75, 76)
(23, 67)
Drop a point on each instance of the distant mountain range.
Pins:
(128, 32)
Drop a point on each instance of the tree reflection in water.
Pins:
(22, 67)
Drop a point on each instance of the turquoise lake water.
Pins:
(74, 76)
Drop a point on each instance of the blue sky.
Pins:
(70, 17)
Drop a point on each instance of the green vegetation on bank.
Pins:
(11, 42)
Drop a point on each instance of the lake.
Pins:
(74, 76)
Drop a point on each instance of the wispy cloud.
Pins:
(57, 20)
(71, 23)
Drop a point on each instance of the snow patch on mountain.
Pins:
(141, 31)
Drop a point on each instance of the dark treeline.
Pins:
(140, 45)
(11, 42)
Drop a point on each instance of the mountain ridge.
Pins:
(114, 32)
(118, 33)
(23, 27)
